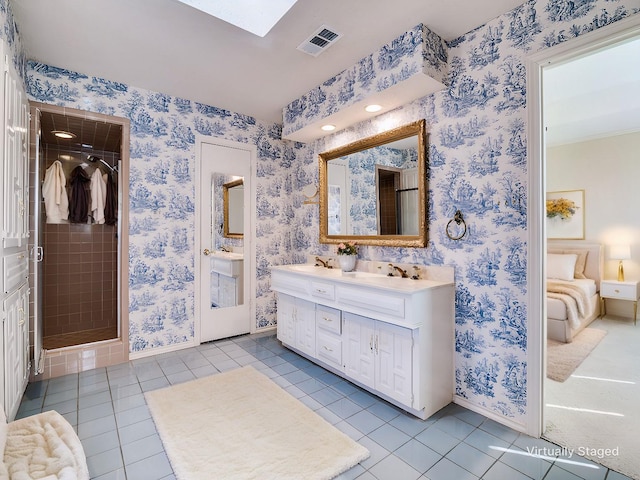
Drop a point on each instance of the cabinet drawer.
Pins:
(329, 348)
(15, 269)
(623, 291)
(329, 319)
(323, 290)
(375, 302)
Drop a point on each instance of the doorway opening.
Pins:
(79, 179)
(598, 384)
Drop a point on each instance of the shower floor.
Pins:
(78, 338)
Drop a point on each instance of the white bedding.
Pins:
(557, 309)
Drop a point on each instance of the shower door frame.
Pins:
(107, 352)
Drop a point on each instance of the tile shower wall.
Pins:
(478, 164)
(80, 277)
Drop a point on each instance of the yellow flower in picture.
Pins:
(562, 208)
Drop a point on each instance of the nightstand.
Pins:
(629, 290)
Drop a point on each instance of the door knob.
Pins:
(206, 251)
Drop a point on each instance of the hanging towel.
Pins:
(98, 196)
(54, 193)
(111, 203)
(79, 201)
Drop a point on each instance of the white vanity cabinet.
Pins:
(226, 279)
(393, 337)
(379, 355)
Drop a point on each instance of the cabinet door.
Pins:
(227, 291)
(305, 319)
(15, 219)
(393, 346)
(286, 332)
(15, 350)
(358, 334)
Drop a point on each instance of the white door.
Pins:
(359, 348)
(221, 163)
(394, 362)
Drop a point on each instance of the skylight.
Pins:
(255, 16)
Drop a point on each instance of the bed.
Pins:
(574, 271)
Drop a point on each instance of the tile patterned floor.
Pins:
(108, 409)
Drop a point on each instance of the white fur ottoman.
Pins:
(43, 446)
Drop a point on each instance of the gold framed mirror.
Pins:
(233, 205)
(374, 191)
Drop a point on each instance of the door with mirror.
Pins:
(224, 217)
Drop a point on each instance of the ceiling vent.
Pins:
(321, 39)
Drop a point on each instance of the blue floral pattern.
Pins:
(478, 164)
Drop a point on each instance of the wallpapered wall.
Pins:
(478, 164)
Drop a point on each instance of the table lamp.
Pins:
(620, 252)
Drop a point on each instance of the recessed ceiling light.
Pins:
(63, 134)
(373, 108)
(254, 16)
(328, 128)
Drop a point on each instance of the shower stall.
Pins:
(77, 250)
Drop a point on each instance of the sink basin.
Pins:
(228, 255)
(362, 275)
(310, 268)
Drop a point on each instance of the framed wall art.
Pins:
(565, 215)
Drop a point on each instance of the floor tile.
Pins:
(107, 406)
(447, 470)
(532, 466)
(418, 455)
(437, 440)
(365, 421)
(470, 459)
(389, 437)
(393, 468)
(500, 471)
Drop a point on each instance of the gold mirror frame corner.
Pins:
(417, 128)
(225, 203)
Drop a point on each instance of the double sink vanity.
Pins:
(392, 336)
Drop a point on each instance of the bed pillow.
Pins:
(561, 266)
(581, 261)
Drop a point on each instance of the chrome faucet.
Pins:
(324, 264)
(225, 249)
(392, 268)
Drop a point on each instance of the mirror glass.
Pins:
(233, 209)
(373, 191)
(227, 258)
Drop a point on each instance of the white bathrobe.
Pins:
(98, 196)
(54, 193)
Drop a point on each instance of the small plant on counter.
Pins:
(347, 248)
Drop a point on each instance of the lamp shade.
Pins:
(620, 252)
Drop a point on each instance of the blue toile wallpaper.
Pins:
(477, 163)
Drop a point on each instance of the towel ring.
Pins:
(457, 217)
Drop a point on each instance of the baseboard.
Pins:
(463, 402)
(157, 351)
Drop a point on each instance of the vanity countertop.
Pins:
(375, 280)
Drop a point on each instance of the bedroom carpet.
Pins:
(597, 407)
(564, 358)
(241, 425)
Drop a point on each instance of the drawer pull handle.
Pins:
(617, 291)
(20, 257)
(327, 319)
(327, 348)
(318, 290)
(371, 343)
